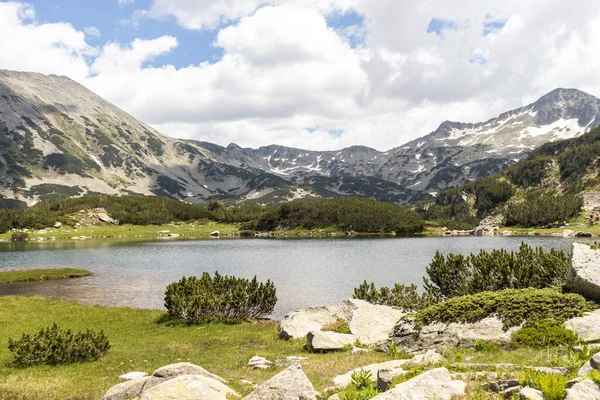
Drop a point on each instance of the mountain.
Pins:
(59, 139)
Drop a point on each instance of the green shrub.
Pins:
(19, 236)
(339, 326)
(512, 306)
(457, 275)
(401, 296)
(54, 346)
(529, 172)
(222, 298)
(542, 334)
(552, 385)
(361, 387)
(543, 210)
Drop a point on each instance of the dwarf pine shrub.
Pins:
(19, 236)
(458, 275)
(401, 296)
(219, 298)
(54, 346)
(543, 333)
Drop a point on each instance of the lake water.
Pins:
(306, 272)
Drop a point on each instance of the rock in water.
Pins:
(329, 341)
(290, 384)
(586, 390)
(586, 327)
(584, 271)
(189, 387)
(434, 384)
(126, 390)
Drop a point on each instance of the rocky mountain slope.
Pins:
(59, 139)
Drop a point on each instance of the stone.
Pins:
(431, 357)
(257, 362)
(591, 200)
(394, 367)
(572, 382)
(328, 341)
(41, 232)
(369, 323)
(511, 392)
(502, 385)
(131, 376)
(126, 390)
(215, 234)
(506, 233)
(586, 327)
(290, 384)
(57, 224)
(105, 218)
(584, 271)
(595, 361)
(174, 370)
(189, 387)
(438, 335)
(586, 390)
(435, 383)
(585, 370)
(385, 380)
(584, 234)
(334, 397)
(568, 233)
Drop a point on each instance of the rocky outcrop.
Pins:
(329, 341)
(369, 323)
(439, 335)
(586, 327)
(393, 368)
(435, 383)
(586, 390)
(591, 200)
(176, 381)
(290, 384)
(584, 271)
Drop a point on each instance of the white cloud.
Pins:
(124, 3)
(92, 31)
(284, 70)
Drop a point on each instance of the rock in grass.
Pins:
(394, 368)
(290, 384)
(132, 376)
(585, 370)
(584, 271)
(329, 341)
(174, 370)
(586, 327)
(586, 390)
(189, 387)
(431, 357)
(434, 384)
(126, 390)
(257, 362)
(528, 393)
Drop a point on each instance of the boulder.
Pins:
(132, 376)
(385, 380)
(369, 323)
(436, 335)
(257, 362)
(431, 357)
(528, 393)
(585, 370)
(189, 387)
(583, 234)
(57, 224)
(105, 218)
(329, 341)
(568, 233)
(584, 271)
(586, 390)
(435, 383)
(506, 233)
(215, 234)
(174, 370)
(290, 384)
(393, 367)
(586, 327)
(126, 390)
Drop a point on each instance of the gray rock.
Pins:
(584, 234)
(257, 362)
(595, 361)
(568, 233)
(329, 341)
(572, 382)
(586, 327)
(502, 385)
(57, 224)
(215, 234)
(189, 387)
(584, 271)
(511, 391)
(105, 218)
(394, 367)
(528, 393)
(184, 368)
(434, 384)
(132, 376)
(334, 397)
(585, 370)
(385, 380)
(126, 390)
(290, 384)
(431, 357)
(586, 390)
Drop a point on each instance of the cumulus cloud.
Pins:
(287, 77)
(92, 31)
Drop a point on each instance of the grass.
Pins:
(41, 275)
(141, 342)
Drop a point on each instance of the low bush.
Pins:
(19, 236)
(543, 209)
(222, 298)
(552, 385)
(542, 334)
(512, 306)
(458, 275)
(54, 346)
(401, 296)
(362, 387)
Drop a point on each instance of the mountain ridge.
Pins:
(58, 138)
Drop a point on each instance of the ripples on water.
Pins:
(306, 272)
